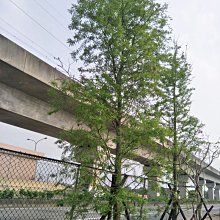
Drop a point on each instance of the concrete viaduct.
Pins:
(24, 84)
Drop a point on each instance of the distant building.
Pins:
(17, 166)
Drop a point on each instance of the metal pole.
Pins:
(36, 142)
(35, 147)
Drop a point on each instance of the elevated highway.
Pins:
(24, 102)
(24, 84)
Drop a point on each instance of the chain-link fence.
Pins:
(40, 188)
(33, 187)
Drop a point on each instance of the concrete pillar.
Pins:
(216, 191)
(202, 183)
(153, 188)
(210, 186)
(183, 179)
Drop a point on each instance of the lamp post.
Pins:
(36, 142)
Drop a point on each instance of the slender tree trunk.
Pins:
(118, 154)
(175, 189)
(127, 215)
(116, 208)
(198, 192)
(174, 211)
(117, 186)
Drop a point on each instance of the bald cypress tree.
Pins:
(184, 129)
(120, 44)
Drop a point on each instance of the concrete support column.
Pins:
(210, 186)
(202, 183)
(153, 188)
(183, 179)
(216, 191)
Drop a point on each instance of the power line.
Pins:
(50, 54)
(57, 65)
(52, 16)
(55, 9)
(28, 45)
(52, 35)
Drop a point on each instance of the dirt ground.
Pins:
(215, 217)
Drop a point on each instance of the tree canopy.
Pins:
(133, 91)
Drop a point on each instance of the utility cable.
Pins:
(50, 54)
(55, 9)
(52, 16)
(57, 65)
(34, 20)
(26, 37)
(23, 42)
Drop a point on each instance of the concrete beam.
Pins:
(20, 109)
(27, 63)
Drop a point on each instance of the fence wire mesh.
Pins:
(33, 187)
(40, 188)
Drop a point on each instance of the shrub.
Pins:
(7, 194)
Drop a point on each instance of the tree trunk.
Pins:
(174, 211)
(116, 187)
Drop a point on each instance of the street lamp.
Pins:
(36, 142)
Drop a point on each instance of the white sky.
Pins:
(195, 23)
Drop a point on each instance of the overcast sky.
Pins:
(40, 26)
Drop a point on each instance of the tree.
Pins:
(203, 156)
(184, 129)
(121, 44)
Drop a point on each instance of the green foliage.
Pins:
(162, 198)
(115, 103)
(184, 129)
(7, 194)
(36, 194)
(133, 91)
(121, 45)
(176, 102)
(192, 195)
